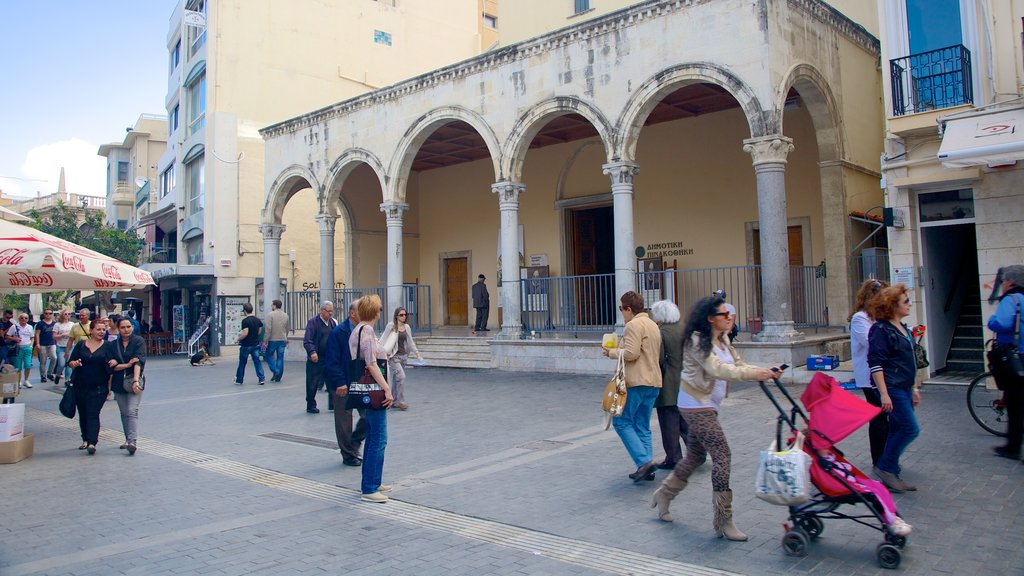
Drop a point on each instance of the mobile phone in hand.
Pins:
(781, 368)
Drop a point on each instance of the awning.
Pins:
(983, 140)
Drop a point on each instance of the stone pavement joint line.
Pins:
(580, 553)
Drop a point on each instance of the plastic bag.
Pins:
(783, 478)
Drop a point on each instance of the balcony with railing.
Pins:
(931, 80)
(124, 194)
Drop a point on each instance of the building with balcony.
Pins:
(663, 146)
(235, 66)
(951, 169)
(131, 165)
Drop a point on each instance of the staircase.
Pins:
(967, 352)
(455, 351)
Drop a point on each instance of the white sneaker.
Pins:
(899, 527)
(26, 384)
(375, 497)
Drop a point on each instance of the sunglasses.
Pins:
(725, 314)
(401, 315)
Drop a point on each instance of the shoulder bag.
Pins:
(128, 374)
(1004, 361)
(920, 354)
(364, 392)
(614, 400)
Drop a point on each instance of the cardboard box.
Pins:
(822, 362)
(17, 450)
(12, 422)
(9, 384)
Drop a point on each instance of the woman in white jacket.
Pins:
(399, 344)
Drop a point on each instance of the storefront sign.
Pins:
(903, 276)
(663, 250)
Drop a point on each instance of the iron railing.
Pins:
(931, 80)
(588, 303)
(301, 306)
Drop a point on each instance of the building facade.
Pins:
(131, 167)
(235, 66)
(952, 167)
(634, 137)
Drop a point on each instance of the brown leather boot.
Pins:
(723, 517)
(663, 496)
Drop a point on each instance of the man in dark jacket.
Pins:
(315, 342)
(482, 303)
(337, 358)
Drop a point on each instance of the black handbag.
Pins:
(1004, 362)
(67, 402)
(364, 392)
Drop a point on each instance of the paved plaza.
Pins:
(494, 472)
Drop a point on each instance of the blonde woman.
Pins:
(401, 333)
(363, 344)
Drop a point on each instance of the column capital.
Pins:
(326, 222)
(394, 211)
(621, 172)
(272, 231)
(508, 193)
(768, 149)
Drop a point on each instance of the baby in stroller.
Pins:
(834, 415)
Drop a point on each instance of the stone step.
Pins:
(976, 367)
(976, 342)
(970, 354)
(969, 332)
(455, 352)
(969, 320)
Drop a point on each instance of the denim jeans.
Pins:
(634, 426)
(62, 365)
(47, 361)
(275, 357)
(243, 356)
(128, 406)
(373, 449)
(903, 429)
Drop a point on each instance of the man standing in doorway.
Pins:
(248, 345)
(277, 340)
(482, 303)
(337, 358)
(315, 342)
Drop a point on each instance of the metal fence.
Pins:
(931, 80)
(588, 303)
(301, 306)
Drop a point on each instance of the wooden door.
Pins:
(797, 287)
(584, 255)
(456, 281)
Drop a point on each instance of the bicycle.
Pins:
(985, 403)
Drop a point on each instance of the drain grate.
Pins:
(301, 440)
(542, 445)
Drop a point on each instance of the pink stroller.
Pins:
(834, 415)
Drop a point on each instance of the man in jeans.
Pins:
(249, 345)
(276, 336)
(46, 347)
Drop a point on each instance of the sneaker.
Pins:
(42, 380)
(237, 382)
(889, 480)
(907, 486)
(375, 497)
(131, 449)
(899, 527)
(384, 488)
(262, 382)
(26, 384)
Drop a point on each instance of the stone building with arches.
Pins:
(739, 132)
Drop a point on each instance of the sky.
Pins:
(73, 75)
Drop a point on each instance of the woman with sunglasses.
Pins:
(894, 371)
(127, 361)
(860, 323)
(709, 360)
(399, 332)
(61, 335)
(91, 381)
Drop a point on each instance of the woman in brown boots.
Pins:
(709, 360)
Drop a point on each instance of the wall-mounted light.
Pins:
(292, 255)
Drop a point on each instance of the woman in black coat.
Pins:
(91, 381)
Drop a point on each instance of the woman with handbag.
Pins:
(364, 347)
(1006, 323)
(398, 344)
(893, 366)
(640, 350)
(709, 360)
(128, 361)
(90, 378)
(860, 323)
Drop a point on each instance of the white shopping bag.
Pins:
(12, 422)
(783, 478)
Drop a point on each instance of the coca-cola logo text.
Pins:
(12, 256)
(106, 284)
(111, 272)
(26, 280)
(143, 278)
(72, 263)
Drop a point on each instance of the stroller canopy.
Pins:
(834, 412)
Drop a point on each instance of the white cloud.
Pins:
(84, 170)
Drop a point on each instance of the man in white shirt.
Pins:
(23, 336)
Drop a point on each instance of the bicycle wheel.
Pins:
(985, 402)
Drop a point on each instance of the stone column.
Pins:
(393, 214)
(511, 290)
(326, 222)
(769, 154)
(271, 264)
(622, 174)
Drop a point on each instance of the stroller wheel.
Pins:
(889, 556)
(795, 543)
(897, 541)
(812, 525)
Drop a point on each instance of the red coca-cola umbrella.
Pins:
(33, 261)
